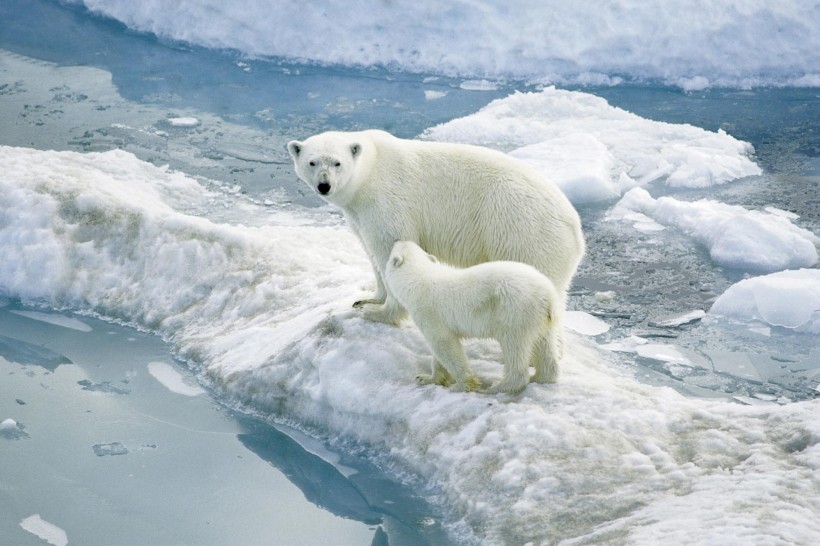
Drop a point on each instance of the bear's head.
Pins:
(327, 163)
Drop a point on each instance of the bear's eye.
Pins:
(338, 163)
(312, 163)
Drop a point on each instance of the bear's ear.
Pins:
(432, 258)
(294, 147)
(397, 260)
(355, 149)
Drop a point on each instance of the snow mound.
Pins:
(790, 299)
(264, 314)
(594, 151)
(737, 238)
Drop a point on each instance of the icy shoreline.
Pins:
(264, 314)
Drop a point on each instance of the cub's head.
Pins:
(327, 163)
(408, 253)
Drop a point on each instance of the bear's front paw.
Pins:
(361, 303)
(380, 313)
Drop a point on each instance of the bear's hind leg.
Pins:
(546, 357)
(516, 355)
(440, 376)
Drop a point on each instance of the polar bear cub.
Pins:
(509, 301)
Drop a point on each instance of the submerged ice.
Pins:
(264, 314)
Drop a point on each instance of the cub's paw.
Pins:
(471, 383)
(424, 379)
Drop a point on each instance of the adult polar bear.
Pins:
(463, 204)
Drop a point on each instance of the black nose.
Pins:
(323, 188)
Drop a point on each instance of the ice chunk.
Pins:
(584, 323)
(105, 386)
(172, 380)
(789, 299)
(115, 448)
(594, 151)
(679, 320)
(736, 237)
(8, 424)
(55, 319)
(184, 122)
(22, 352)
(44, 530)
(479, 85)
(12, 430)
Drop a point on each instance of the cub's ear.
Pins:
(355, 149)
(432, 258)
(294, 147)
(397, 261)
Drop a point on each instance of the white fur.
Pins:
(465, 204)
(508, 301)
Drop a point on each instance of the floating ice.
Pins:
(736, 237)
(679, 320)
(172, 380)
(105, 387)
(12, 430)
(8, 424)
(710, 44)
(55, 319)
(46, 531)
(184, 122)
(585, 324)
(789, 299)
(594, 151)
(104, 450)
(265, 312)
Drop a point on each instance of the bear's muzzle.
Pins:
(323, 188)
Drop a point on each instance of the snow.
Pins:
(596, 152)
(46, 531)
(264, 315)
(737, 238)
(184, 122)
(788, 299)
(693, 45)
(172, 380)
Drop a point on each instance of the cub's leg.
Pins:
(516, 354)
(440, 376)
(448, 351)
